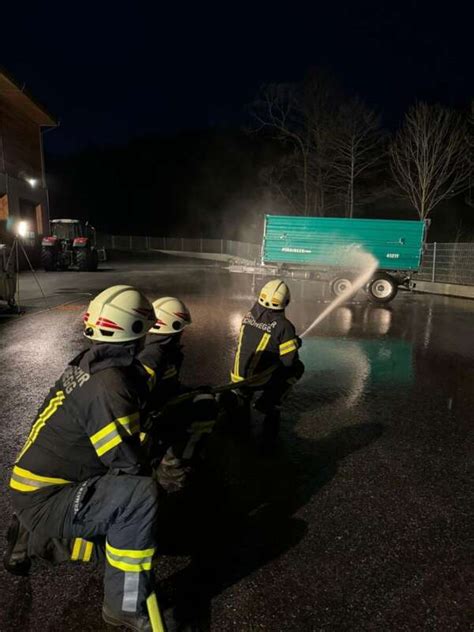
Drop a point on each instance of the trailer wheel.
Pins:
(48, 260)
(339, 285)
(382, 288)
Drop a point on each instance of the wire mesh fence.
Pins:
(442, 262)
(448, 263)
(230, 248)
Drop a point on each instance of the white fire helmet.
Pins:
(118, 314)
(171, 315)
(274, 295)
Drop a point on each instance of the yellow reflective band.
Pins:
(202, 427)
(88, 552)
(237, 355)
(76, 549)
(128, 423)
(236, 378)
(136, 553)
(38, 477)
(264, 340)
(116, 439)
(288, 346)
(143, 437)
(26, 481)
(129, 560)
(127, 567)
(152, 379)
(82, 550)
(50, 409)
(106, 430)
(109, 436)
(171, 372)
(131, 423)
(154, 613)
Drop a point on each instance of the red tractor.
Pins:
(71, 244)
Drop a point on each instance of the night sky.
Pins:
(110, 73)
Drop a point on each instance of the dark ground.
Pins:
(362, 520)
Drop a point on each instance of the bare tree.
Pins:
(470, 148)
(300, 117)
(429, 156)
(279, 110)
(358, 145)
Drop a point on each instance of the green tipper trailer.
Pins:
(325, 244)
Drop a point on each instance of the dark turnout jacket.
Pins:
(88, 425)
(162, 358)
(267, 339)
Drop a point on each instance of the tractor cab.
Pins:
(71, 229)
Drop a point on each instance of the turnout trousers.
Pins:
(123, 509)
(278, 385)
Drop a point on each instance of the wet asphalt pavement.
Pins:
(361, 520)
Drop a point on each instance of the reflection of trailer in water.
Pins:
(351, 365)
(7, 279)
(324, 248)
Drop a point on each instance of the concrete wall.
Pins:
(445, 289)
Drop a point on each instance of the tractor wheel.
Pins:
(382, 288)
(86, 259)
(82, 259)
(48, 260)
(94, 260)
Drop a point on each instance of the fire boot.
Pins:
(16, 560)
(129, 620)
(153, 622)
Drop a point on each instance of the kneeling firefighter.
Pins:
(162, 355)
(80, 473)
(178, 431)
(267, 354)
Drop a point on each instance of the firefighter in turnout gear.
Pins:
(162, 355)
(81, 474)
(177, 434)
(267, 353)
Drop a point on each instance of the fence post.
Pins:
(433, 269)
(113, 242)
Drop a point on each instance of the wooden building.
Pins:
(23, 193)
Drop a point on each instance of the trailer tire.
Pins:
(382, 288)
(48, 260)
(340, 284)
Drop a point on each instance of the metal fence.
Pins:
(442, 262)
(238, 249)
(448, 263)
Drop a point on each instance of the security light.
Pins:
(22, 229)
